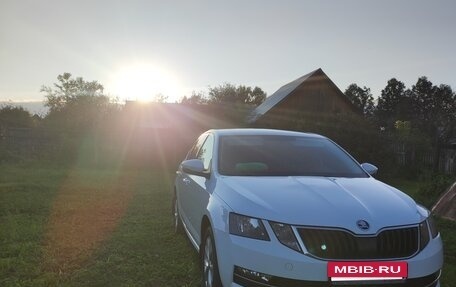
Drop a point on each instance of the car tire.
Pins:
(177, 223)
(209, 263)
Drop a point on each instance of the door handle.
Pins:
(186, 180)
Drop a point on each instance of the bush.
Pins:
(16, 117)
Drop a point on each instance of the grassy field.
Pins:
(66, 227)
(90, 227)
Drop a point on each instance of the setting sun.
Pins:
(145, 83)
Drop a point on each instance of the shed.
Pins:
(313, 92)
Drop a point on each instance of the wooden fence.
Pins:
(408, 156)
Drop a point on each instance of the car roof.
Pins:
(250, 131)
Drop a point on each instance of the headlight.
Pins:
(426, 227)
(432, 227)
(424, 234)
(285, 235)
(247, 227)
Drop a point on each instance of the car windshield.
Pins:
(268, 155)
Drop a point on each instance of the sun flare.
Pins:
(145, 83)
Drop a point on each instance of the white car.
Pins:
(281, 208)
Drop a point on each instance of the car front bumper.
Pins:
(247, 262)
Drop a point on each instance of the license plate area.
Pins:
(345, 272)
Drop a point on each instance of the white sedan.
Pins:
(281, 208)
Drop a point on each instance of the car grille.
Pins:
(341, 244)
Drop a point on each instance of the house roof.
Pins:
(286, 90)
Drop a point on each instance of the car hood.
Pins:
(320, 201)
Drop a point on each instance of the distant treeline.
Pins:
(415, 126)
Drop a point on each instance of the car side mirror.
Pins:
(195, 167)
(369, 168)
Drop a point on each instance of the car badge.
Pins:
(362, 224)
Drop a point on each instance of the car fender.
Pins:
(218, 213)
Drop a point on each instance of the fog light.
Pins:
(252, 275)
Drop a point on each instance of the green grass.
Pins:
(25, 198)
(124, 234)
(142, 249)
(410, 187)
(447, 230)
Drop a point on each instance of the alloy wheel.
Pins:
(208, 263)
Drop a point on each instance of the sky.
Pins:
(139, 48)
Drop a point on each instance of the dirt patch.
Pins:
(85, 212)
(446, 205)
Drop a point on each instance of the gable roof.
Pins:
(286, 90)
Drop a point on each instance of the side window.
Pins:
(192, 154)
(205, 153)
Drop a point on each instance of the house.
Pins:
(313, 93)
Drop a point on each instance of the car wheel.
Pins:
(211, 276)
(176, 218)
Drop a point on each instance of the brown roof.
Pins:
(287, 89)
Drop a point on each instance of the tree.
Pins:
(361, 98)
(434, 112)
(228, 93)
(434, 107)
(424, 101)
(159, 98)
(257, 96)
(69, 90)
(445, 118)
(196, 98)
(394, 104)
(17, 117)
(74, 103)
